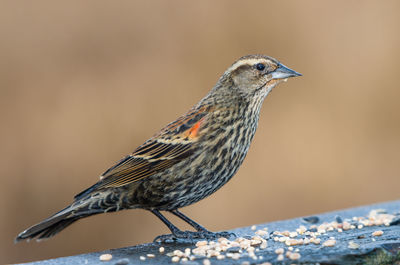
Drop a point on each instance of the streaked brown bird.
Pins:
(187, 160)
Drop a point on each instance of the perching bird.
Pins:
(187, 160)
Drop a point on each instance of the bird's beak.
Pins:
(283, 72)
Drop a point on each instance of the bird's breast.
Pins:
(222, 144)
(225, 143)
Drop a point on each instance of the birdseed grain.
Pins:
(329, 243)
(377, 233)
(294, 256)
(353, 245)
(105, 257)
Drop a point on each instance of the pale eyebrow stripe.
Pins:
(244, 62)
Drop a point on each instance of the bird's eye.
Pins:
(260, 66)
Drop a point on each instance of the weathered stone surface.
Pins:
(383, 249)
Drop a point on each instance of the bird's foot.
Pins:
(191, 236)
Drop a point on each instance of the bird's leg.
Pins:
(201, 229)
(195, 225)
(201, 233)
(174, 230)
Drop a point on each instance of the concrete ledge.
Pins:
(340, 237)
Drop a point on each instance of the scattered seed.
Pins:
(294, 242)
(301, 230)
(105, 257)
(353, 245)
(248, 246)
(346, 226)
(316, 241)
(262, 233)
(255, 242)
(178, 253)
(201, 243)
(377, 233)
(329, 243)
(294, 256)
(264, 245)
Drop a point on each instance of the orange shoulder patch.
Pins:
(193, 132)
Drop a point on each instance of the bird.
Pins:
(187, 160)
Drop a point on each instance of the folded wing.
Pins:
(176, 142)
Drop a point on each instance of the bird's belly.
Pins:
(188, 182)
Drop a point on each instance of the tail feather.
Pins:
(91, 205)
(44, 232)
(50, 226)
(57, 222)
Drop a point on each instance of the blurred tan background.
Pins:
(83, 83)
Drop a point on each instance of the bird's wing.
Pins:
(171, 145)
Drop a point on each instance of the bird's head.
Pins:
(256, 75)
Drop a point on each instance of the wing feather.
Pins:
(167, 148)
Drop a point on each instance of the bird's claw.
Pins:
(224, 234)
(167, 238)
(190, 235)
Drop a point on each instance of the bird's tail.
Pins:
(57, 222)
